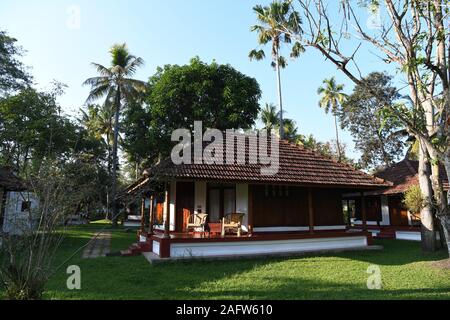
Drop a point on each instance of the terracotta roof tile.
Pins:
(404, 175)
(298, 165)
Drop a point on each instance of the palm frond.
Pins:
(97, 93)
(96, 81)
(102, 70)
(133, 65)
(256, 55)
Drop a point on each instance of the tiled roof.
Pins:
(9, 181)
(298, 165)
(404, 175)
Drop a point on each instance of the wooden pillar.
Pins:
(311, 211)
(363, 211)
(167, 212)
(250, 211)
(150, 217)
(142, 215)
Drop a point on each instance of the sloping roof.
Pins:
(9, 181)
(298, 166)
(404, 175)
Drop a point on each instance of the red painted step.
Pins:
(136, 249)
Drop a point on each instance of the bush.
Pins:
(414, 200)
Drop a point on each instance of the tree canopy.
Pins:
(13, 75)
(216, 94)
(380, 139)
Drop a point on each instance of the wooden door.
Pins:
(184, 204)
(397, 212)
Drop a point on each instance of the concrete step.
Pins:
(126, 253)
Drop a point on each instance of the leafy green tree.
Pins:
(269, 19)
(139, 143)
(116, 83)
(43, 131)
(331, 99)
(98, 120)
(218, 95)
(380, 139)
(13, 75)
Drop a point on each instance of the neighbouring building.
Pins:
(386, 213)
(16, 204)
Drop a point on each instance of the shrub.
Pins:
(414, 200)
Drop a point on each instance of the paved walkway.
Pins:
(98, 247)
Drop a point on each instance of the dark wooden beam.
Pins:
(167, 212)
(363, 211)
(311, 210)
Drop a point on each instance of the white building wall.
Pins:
(15, 221)
(212, 249)
(386, 221)
(242, 202)
(200, 197)
(171, 207)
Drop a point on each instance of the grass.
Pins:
(407, 273)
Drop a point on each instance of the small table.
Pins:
(215, 228)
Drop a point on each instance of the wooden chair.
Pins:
(232, 222)
(196, 221)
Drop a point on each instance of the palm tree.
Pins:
(332, 98)
(98, 120)
(272, 19)
(269, 116)
(291, 131)
(117, 85)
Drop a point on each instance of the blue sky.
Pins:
(165, 32)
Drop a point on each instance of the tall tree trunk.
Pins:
(115, 210)
(338, 145)
(108, 190)
(426, 215)
(445, 219)
(280, 97)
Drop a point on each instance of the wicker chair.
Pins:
(232, 222)
(196, 221)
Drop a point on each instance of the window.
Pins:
(26, 206)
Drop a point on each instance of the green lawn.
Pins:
(407, 273)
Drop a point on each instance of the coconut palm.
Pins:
(98, 120)
(272, 19)
(269, 116)
(291, 131)
(117, 85)
(331, 99)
